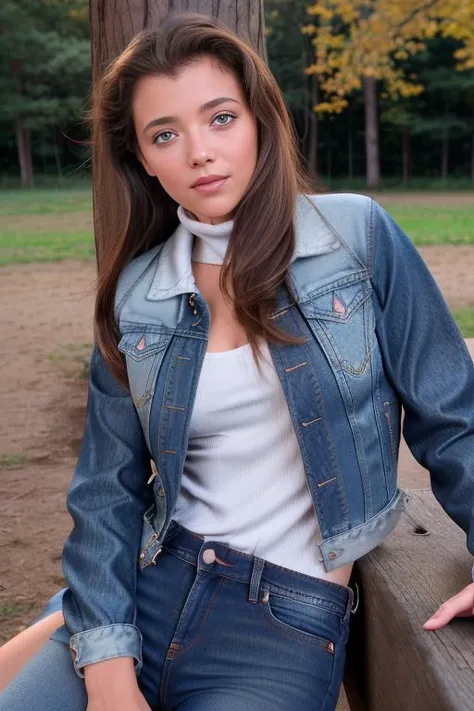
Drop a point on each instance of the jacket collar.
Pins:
(173, 274)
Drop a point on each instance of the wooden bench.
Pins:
(392, 663)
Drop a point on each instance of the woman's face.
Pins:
(197, 125)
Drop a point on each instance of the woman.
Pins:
(254, 345)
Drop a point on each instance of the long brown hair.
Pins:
(262, 240)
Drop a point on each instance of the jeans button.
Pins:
(209, 556)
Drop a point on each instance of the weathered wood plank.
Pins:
(393, 663)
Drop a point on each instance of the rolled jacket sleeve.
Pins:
(107, 498)
(428, 364)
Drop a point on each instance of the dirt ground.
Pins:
(46, 324)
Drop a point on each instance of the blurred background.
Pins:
(382, 96)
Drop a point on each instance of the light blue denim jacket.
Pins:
(378, 335)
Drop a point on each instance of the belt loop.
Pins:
(257, 570)
(349, 603)
(355, 607)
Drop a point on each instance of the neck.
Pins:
(211, 241)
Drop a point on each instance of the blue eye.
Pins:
(163, 137)
(228, 119)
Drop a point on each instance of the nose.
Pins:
(200, 152)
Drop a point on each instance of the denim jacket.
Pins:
(378, 336)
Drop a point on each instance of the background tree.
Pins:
(44, 72)
(366, 43)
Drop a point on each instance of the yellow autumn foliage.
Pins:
(370, 38)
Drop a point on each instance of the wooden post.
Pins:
(392, 663)
(113, 24)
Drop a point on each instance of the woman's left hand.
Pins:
(460, 605)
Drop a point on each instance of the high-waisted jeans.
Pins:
(221, 630)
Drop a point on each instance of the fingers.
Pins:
(461, 604)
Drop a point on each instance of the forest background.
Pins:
(382, 93)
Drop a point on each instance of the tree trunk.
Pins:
(313, 123)
(113, 24)
(350, 148)
(23, 143)
(472, 159)
(57, 158)
(372, 148)
(24, 154)
(407, 156)
(445, 157)
(329, 155)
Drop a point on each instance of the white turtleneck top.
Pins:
(244, 482)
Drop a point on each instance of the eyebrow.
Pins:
(205, 107)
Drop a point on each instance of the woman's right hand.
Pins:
(112, 686)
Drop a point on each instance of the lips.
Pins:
(205, 180)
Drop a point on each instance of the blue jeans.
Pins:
(221, 630)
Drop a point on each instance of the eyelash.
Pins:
(222, 125)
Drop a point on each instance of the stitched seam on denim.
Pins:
(182, 555)
(164, 681)
(167, 665)
(321, 604)
(331, 680)
(326, 315)
(349, 368)
(190, 334)
(340, 493)
(137, 327)
(147, 353)
(293, 632)
(319, 581)
(244, 579)
(385, 510)
(370, 238)
(353, 278)
(152, 375)
(164, 416)
(388, 417)
(210, 607)
(375, 395)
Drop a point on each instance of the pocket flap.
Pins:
(338, 304)
(140, 344)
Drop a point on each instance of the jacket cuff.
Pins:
(102, 643)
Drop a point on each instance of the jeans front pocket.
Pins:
(302, 619)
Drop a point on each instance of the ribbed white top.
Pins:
(244, 482)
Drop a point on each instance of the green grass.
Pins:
(24, 247)
(465, 320)
(428, 225)
(12, 461)
(395, 184)
(45, 201)
(55, 237)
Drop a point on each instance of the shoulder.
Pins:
(133, 273)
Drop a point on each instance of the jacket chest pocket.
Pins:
(144, 351)
(342, 320)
